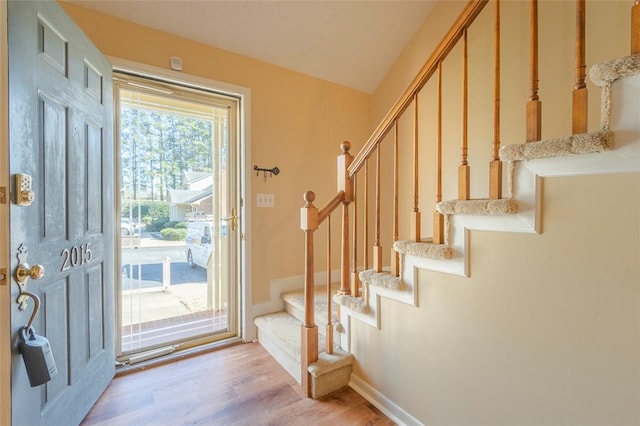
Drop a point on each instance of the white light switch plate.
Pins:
(265, 200)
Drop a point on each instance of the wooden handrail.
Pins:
(448, 42)
(328, 208)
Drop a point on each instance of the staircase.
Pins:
(614, 147)
(279, 333)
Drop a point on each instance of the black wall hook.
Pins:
(267, 172)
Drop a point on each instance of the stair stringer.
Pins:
(527, 178)
(407, 295)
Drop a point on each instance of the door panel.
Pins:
(60, 133)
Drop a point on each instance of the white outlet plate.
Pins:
(265, 200)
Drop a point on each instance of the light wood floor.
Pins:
(239, 385)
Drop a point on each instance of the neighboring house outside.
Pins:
(197, 181)
(196, 196)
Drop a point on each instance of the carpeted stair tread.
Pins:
(357, 304)
(602, 75)
(279, 333)
(586, 143)
(381, 279)
(423, 249)
(478, 207)
(330, 372)
(327, 363)
(294, 303)
(605, 73)
(284, 329)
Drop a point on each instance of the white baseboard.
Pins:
(382, 403)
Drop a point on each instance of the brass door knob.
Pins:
(24, 272)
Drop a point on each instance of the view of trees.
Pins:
(156, 148)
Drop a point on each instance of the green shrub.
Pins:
(158, 224)
(149, 210)
(158, 209)
(181, 225)
(173, 234)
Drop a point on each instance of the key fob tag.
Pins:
(37, 355)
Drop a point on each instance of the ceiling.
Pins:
(350, 42)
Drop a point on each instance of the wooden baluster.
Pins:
(355, 280)
(366, 216)
(438, 218)
(395, 256)
(635, 28)
(309, 330)
(329, 333)
(495, 166)
(580, 101)
(534, 106)
(344, 257)
(377, 248)
(415, 233)
(463, 168)
(345, 184)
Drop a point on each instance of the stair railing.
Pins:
(389, 128)
(410, 96)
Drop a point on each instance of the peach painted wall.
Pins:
(297, 124)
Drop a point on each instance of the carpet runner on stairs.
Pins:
(280, 334)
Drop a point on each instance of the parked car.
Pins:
(128, 228)
(198, 244)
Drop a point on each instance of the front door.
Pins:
(60, 130)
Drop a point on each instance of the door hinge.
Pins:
(3, 195)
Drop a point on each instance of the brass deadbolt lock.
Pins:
(24, 193)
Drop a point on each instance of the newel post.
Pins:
(309, 330)
(345, 183)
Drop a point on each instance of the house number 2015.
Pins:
(76, 256)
